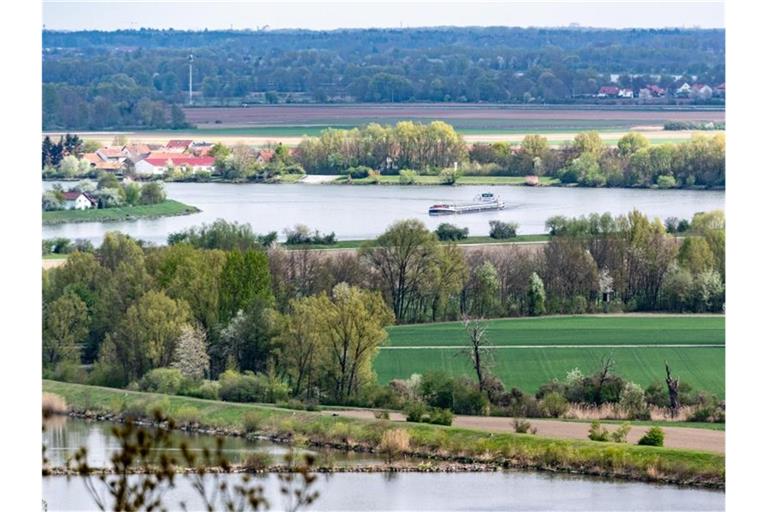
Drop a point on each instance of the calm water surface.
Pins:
(513, 490)
(359, 212)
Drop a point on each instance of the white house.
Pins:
(626, 93)
(158, 166)
(683, 90)
(78, 201)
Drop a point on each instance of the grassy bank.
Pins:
(167, 208)
(435, 180)
(549, 347)
(507, 450)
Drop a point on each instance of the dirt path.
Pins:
(675, 437)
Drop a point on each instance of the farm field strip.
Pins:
(573, 330)
(527, 369)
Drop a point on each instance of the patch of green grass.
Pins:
(521, 450)
(167, 208)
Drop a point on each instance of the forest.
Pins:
(131, 78)
(223, 298)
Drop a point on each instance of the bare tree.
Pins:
(479, 349)
(673, 385)
(607, 365)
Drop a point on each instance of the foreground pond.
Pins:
(63, 436)
(514, 490)
(441, 491)
(361, 212)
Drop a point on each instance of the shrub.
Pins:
(449, 232)
(579, 305)
(414, 412)
(449, 176)
(620, 434)
(503, 230)
(408, 177)
(360, 172)
(187, 415)
(666, 181)
(251, 422)
(160, 406)
(467, 399)
(162, 380)
(440, 417)
(250, 387)
(208, 389)
(437, 389)
(257, 461)
(381, 415)
(597, 432)
(554, 405)
(632, 402)
(654, 437)
(394, 442)
(53, 404)
(521, 426)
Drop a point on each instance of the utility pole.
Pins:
(191, 59)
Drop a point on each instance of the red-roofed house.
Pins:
(78, 200)
(719, 91)
(156, 166)
(608, 92)
(178, 145)
(265, 156)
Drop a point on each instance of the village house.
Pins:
(608, 92)
(178, 145)
(719, 91)
(111, 154)
(684, 90)
(701, 92)
(78, 201)
(264, 156)
(99, 163)
(154, 166)
(136, 152)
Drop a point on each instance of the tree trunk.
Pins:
(672, 387)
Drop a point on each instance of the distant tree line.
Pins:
(406, 145)
(588, 161)
(411, 148)
(126, 78)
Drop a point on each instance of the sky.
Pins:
(326, 15)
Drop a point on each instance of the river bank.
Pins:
(167, 208)
(450, 444)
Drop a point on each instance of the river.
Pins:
(507, 490)
(361, 212)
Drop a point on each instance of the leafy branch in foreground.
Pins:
(146, 466)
